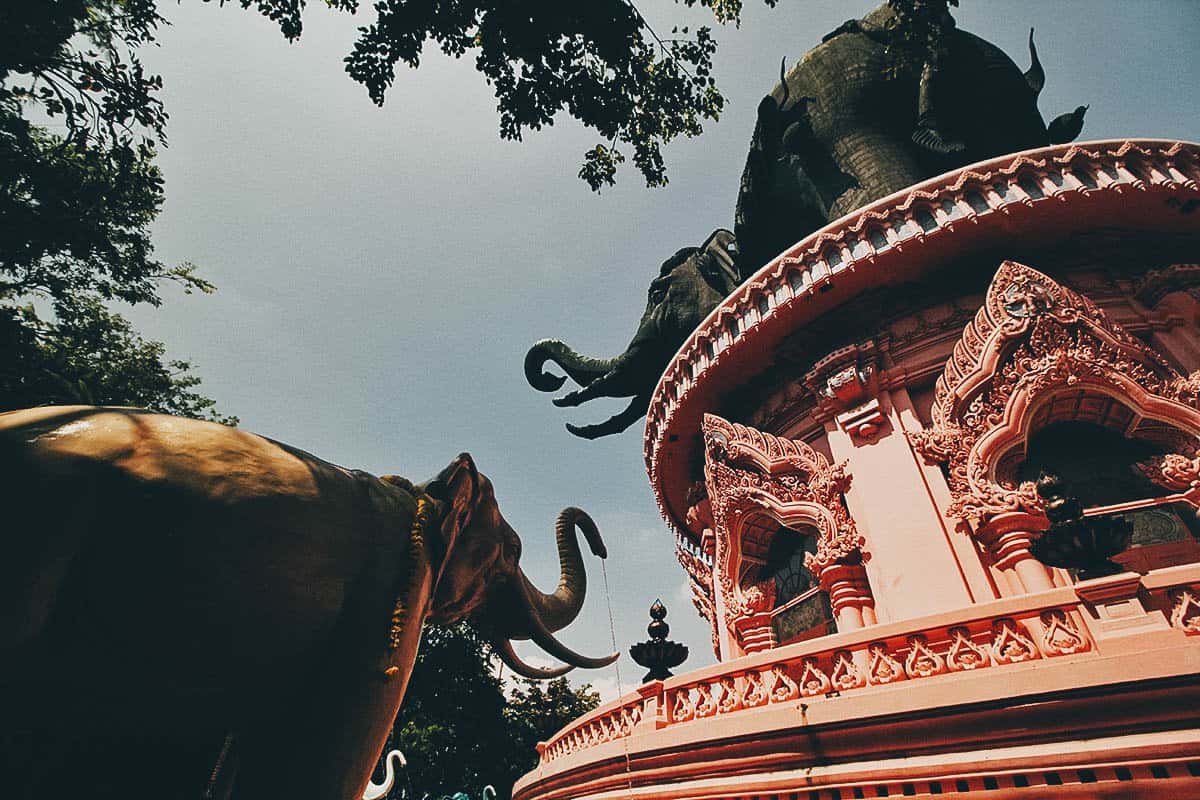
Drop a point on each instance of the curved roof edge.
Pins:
(1035, 193)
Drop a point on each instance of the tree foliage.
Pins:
(458, 730)
(600, 61)
(78, 192)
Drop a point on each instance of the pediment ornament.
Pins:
(749, 471)
(1031, 340)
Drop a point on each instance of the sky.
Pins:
(382, 271)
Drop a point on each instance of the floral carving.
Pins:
(1032, 338)
(730, 699)
(1059, 635)
(753, 693)
(812, 680)
(964, 654)
(1010, 644)
(922, 662)
(882, 667)
(846, 674)
(783, 688)
(1185, 609)
(706, 706)
(684, 709)
(1178, 472)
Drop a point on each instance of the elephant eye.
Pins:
(658, 288)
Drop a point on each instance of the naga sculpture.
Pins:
(172, 580)
(864, 114)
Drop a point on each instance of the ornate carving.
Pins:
(1060, 637)
(881, 666)
(783, 688)
(846, 674)
(1185, 609)
(922, 662)
(684, 709)
(730, 698)
(753, 692)
(706, 706)
(964, 654)
(749, 471)
(1010, 644)
(1032, 338)
(813, 681)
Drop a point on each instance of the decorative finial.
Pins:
(658, 654)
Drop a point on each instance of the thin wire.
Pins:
(612, 630)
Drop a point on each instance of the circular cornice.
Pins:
(1036, 195)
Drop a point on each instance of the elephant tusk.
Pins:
(545, 640)
(375, 791)
(510, 658)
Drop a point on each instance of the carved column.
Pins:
(849, 595)
(1008, 538)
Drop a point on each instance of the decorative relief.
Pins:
(812, 680)
(753, 693)
(1060, 637)
(882, 667)
(749, 471)
(846, 674)
(964, 654)
(922, 662)
(706, 706)
(1185, 609)
(684, 709)
(1032, 338)
(784, 688)
(1010, 644)
(730, 699)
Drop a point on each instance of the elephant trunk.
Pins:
(556, 611)
(547, 613)
(582, 369)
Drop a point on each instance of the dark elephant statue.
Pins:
(199, 611)
(864, 115)
(689, 285)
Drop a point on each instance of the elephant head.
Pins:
(689, 285)
(477, 574)
(867, 113)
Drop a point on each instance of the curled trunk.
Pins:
(582, 369)
(537, 615)
(556, 611)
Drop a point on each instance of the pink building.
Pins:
(846, 449)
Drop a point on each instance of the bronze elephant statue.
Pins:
(689, 285)
(239, 614)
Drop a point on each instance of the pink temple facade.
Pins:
(845, 450)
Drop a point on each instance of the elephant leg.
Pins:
(324, 742)
(615, 424)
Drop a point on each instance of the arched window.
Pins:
(802, 610)
(1098, 466)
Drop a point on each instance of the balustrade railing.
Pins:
(988, 636)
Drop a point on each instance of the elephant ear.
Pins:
(457, 486)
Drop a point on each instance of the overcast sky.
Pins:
(382, 272)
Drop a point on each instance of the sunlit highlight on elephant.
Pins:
(172, 580)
